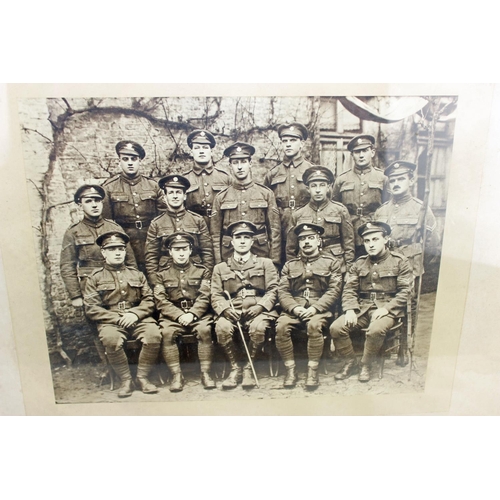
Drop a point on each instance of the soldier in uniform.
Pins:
(309, 287)
(176, 218)
(375, 295)
(252, 284)
(182, 295)
(80, 254)
(133, 200)
(118, 299)
(286, 179)
(246, 200)
(206, 179)
(338, 238)
(363, 188)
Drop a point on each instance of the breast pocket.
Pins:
(406, 227)
(230, 283)
(117, 197)
(135, 290)
(258, 211)
(257, 278)
(86, 248)
(347, 193)
(321, 280)
(105, 289)
(388, 280)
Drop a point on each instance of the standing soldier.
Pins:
(118, 299)
(246, 200)
(182, 295)
(363, 188)
(375, 295)
(309, 287)
(286, 179)
(206, 179)
(176, 218)
(252, 284)
(133, 200)
(338, 238)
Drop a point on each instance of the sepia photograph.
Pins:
(237, 248)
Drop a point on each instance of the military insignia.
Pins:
(113, 238)
(175, 179)
(368, 224)
(396, 165)
(238, 149)
(178, 237)
(305, 228)
(292, 128)
(244, 225)
(318, 172)
(202, 134)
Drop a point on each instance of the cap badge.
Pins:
(238, 149)
(368, 224)
(244, 225)
(175, 179)
(396, 165)
(318, 172)
(178, 237)
(113, 238)
(202, 134)
(306, 227)
(292, 128)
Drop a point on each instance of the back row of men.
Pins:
(207, 204)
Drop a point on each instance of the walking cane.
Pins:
(243, 339)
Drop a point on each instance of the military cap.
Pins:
(179, 238)
(239, 150)
(174, 180)
(112, 239)
(294, 129)
(318, 173)
(305, 229)
(130, 148)
(200, 136)
(89, 191)
(374, 227)
(241, 227)
(361, 142)
(400, 167)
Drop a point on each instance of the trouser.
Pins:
(375, 335)
(287, 325)
(171, 330)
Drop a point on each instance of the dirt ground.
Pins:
(81, 382)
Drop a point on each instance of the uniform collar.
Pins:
(319, 207)
(362, 170)
(182, 267)
(121, 267)
(404, 199)
(303, 258)
(242, 185)
(198, 170)
(180, 212)
(380, 258)
(233, 263)
(91, 223)
(295, 162)
(133, 181)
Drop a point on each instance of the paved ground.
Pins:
(80, 383)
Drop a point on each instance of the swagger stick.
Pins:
(243, 339)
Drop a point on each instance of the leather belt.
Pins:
(327, 242)
(247, 292)
(290, 204)
(376, 295)
(185, 304)
(138, 224)
(120, 306)
(400, 243)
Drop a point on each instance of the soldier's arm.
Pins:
(206, 245)
(432, 242)
(271, 279)
(386, 194)
(152, 253)
(287, 301)
(107, 206)
(329, 298)
(161, 205)
(347, 237)
(202, 302)
(350, 298)
(291, 239)
(216, 229)
(68, 266)
(163, 304)
(147, 305)
(336, 191)
(130, 257)
(218, 298)
(94, 308)
(274, 229)
(404, 283)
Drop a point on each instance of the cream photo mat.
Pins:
(21, 274)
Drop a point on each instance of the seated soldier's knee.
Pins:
(110, 337)
(151, 335)
(224, 331)
(338, 329)
(204, 335)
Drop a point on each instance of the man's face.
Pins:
(180, 255)
(292, 146)
(309, 244)
(400, 184)
(318, 190)
(175, 197)
(363, 157)
(241, 167)
(114, 256)
(375, 243)
(92, 207)
(201, 153)
(130, 164)
(242, 243)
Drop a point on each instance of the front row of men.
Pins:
(243, 294)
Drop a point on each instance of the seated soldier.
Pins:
(309, 287)
(182, 295)
(375, 295)
(118, 299)
(252, 284)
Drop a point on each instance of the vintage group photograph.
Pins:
(237, 248)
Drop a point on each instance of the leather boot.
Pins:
(364, 374)
(147, 359)
(312, 380)
(290, 377)
(177, 382)
(350, 367)
(119, 362)
(207, 380)
(235, 375)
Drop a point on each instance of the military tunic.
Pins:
(338, 238)
(361, 191)
(254, 282)
(171, 222)
(406, 218)
(307, 281)
(251, 202)
(133, 203)
(81, 256)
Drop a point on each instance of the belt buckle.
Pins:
(373, 296)
(121, 305)
(291, 204)
(307, 293)
(184, 304)
(243, 293)
(138, 224)
(208, 211)
(359, 211)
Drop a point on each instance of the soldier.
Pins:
(182, 295)
(206, 179)
(309, 287)
(363, 188)
(133, 200)
(375, 295)
(176, 218)
(338, 238)
(252, 284)
(286, 179)
(245, 200)
(118, 299)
